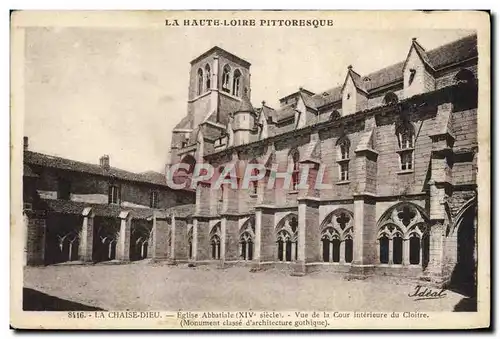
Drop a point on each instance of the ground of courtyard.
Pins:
(158, 286)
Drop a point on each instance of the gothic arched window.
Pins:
(414, 249)
(225, 78)
(237, 83)
(208, 77)
(200, 81)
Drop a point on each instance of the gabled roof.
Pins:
(285, 112)
(268, 112)
(439, 57)
(44, 160)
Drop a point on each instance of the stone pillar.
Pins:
(123, 245)
(342, 252)
(173, 238)
(223, 235)
(301, 239)
(87, 236)
(258, 235)
(195, 239)
(406, 251)
(365, 235)
(35, 224)
(436, 241)
(391, 252)
(159, 237)
(330, 252)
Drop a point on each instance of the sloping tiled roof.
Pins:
(439, 57)
(285, 112)
(268, 112)
(105, 210)
(184, 123)
(44, 160)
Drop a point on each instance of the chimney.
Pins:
(25, 143)
(104, 161)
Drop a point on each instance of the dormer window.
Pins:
(225, 78)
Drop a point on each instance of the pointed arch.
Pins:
(287, 237)
(237, 83)
(404, 222)
(337, 232)
(391, 98)
(334, 115)
(464, 77)
(226, 74)
(199, 90)
(247, 239)
(208, 77)
(215, 241)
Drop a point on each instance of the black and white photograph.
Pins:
(250, 170)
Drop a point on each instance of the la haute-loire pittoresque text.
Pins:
(250, 22)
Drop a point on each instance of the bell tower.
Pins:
(217, 83)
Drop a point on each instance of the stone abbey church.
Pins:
(400, 149)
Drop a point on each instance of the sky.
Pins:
(120, 91)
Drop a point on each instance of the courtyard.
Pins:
(157, 286)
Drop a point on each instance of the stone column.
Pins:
(391, 252)
(258, 235)
(342, 252)
(123, 245)
(365, 235)
(436, 241)
(159, 237)
(330, 252)
(87, 236)
(406, 251)
(172, 238)
(195, 239)
(223, 226)
(299, 267)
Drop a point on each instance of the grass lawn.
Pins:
(146, 286)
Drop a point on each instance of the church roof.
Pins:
(439, 57)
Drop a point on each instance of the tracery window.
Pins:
(336, 237)
(403, 236)
(286, 239)
(208, 78)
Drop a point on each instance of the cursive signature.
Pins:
(424, 293)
